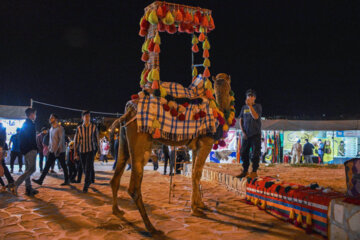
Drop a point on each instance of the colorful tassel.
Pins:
(155, 76)
(215, 113)
(155, 85)
(144, 24)
(153, 19)
(202, 114)
(206, 53)
(196, 116)
(194, 72)
(163, 92)
(166, 107)
(143, 32)
(196, 20)
(157, 48)
(211, 23)
(202, 37)
(173, 112)
(145, 57)
(157, 133)
(171, 29)
(161, 27)
(160, 13)
(204, 21)
(206, 44)
(216, 146)
(194, 40)
(195, 48)
(206, 62)
(149, 76)
(157, 39)
(134, 96)
(151, 45)
(169, 19)
(188, 18)
(178, 16)
(298, 221)
(226, 127)
(181, 117)
(206, 73)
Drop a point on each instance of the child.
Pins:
(71, 162)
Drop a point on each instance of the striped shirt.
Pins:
(86, 138)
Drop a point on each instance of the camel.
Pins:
(136, 146)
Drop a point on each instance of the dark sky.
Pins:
(302, 57)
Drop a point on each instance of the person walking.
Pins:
(308, 151)
(2, 135)
(104, 149)
(40, 146)
(56, 150)
(250, 124)
(15, 151)
(116, 148)
(166, 154)
(86, 145)
(29, 149)
(71, 162)
(296, 151)
(321, 151)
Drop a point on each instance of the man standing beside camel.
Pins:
(250, 124)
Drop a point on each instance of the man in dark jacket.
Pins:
(28, 148)
(2, 135)
(308, 151)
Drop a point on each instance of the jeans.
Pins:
(51, 159)
(41, 160)
(171, 161)
(87, 161)
(30, 163)
(13, 156)
(307, 159)
(253, 142)
(7, 173)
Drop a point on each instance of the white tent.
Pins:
(12, 112)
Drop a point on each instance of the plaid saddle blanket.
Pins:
(150, 109)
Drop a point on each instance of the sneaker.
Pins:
(37, 181)
(65, 183)
(243, 174)
(253, 175)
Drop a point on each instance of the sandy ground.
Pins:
(67, 213)
(332, 176)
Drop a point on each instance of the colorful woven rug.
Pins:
(150, 109)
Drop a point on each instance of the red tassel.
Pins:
(166, 107)
(182, 27)
(178, 16)
(185, 104)
(211, 24)
(233, 122)
(171, 28)
(157, 48)
(196, 20)
(134, 96)
(155, 85)
(197, 29)
(196, 116)
(142, 32)
(206, 73)
(189, 29)
(157, 133)
(144, 24)
(206, 53)
(181, 117)
(195, 48)
(173, 112)
(222, 143)
(151, 46)
(161, 26)
(145, 57)
(215, 147)
(204, 21)
(202, 114)
(202, 37)
(160, 13)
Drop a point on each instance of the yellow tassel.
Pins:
(157, 39)
(149, 76)
(194, 40)
(232, 114)
(153, 19)
(156, 124)
(226, 127)
(169, 18)
(194, 72)
(206, 62)
(299, 218)
(292, 214)
(212, 104)
(256, 202)
(208, 84)
(229, 121)
(308, 219)
(206, 44)
(155, 74)
(163, 92)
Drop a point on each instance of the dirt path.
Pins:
(66, 213)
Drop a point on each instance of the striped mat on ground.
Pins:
(301, 205)
(150, 108)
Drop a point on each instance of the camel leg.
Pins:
(123, 156)
(140, 148)
(205, 145)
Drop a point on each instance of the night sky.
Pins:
(302, 58)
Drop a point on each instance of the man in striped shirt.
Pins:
(86, 145)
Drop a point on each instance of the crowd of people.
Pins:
(74, 157)
(305, 154)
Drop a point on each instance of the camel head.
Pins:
(222, 90)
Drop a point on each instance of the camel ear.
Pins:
(213, 79)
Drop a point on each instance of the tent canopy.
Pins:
(12, 112)
(306, 125)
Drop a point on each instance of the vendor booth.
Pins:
(341, 140)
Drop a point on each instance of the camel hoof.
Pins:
(155, 232)
(198, 213)
(118, 212)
